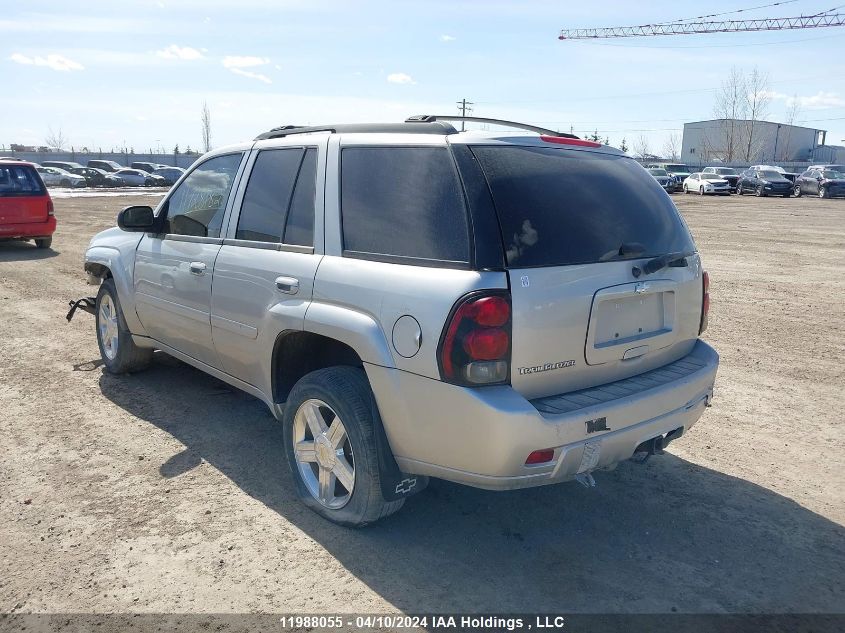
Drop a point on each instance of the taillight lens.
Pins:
(705, 301)
(475, 347)
(50, 207)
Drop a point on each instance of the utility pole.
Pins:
(464, 107)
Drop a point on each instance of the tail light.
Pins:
(50, 207)
(705, 301)
(475, 348)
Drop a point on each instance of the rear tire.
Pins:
(44, 242)
(759, 192)
(739, 190)
(336, 394)
(117, 349)
(823, 193)
(797, 191)
(701, 191)
(686, 191)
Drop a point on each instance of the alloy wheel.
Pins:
(108, 327)
(323, 454)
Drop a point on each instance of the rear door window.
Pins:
(403, 203)
(19, 180)
(299, 228)
(268, 195)
(559, 207)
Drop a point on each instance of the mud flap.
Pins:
(394, 483)
(86, 304)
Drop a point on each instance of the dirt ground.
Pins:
(168, 491)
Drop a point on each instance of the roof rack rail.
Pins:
(428, 127)
(431, 118)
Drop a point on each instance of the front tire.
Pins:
(739, 191)
(701, 191)
(330, 442)
(686, 191)
(797, 191)
(117, 349)
(759, 192)
(823, 193)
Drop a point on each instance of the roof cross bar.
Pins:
(430, 118)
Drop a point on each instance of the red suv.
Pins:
(26, 209)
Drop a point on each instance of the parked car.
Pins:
(170, 174)
(61, 164)
(145, 166)
(140, 178)
(764, 182)
(109, 166)
(53, 176)
(839, 168)
(705, 184)
(726, 173)
(825, 183)
(26, 209)
(678, 171)
(790, 176)
(663, 178)
(97, 177)
(432, 347)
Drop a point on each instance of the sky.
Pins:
(136, 73)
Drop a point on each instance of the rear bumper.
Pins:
(482, 437)
(29, 230)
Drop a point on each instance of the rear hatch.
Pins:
(578, 228)
(23, 198)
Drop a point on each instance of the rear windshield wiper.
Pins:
(626, 250)
(661, 262)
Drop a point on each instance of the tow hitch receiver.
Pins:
(87, 304)
(655, 446)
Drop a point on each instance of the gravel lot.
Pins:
(167, 490)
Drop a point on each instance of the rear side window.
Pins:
(299, 228)
(403, 202)
(268, 195)
(19, 180)
(559, 207)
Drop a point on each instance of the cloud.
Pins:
(820, 101)
(400, 78)
(447, 38)
(236, 61)
(252, 75)
(56, 62)
(179, 52)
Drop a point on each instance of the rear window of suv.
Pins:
(19, 180)
(560, 207)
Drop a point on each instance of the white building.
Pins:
(744, 141)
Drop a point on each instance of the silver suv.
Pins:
(499, 309)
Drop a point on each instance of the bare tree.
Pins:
(55, 140)
(206, 127)
(641, 147)
(757, 99)
(672, 147)
(730, 109)
(792, 112)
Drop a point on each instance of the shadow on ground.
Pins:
(16, 251)
(670, 535)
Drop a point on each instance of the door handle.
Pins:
(197, 268)
(288, 285)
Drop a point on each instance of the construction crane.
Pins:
(718, 26)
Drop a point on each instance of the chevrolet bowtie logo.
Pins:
(405, 486)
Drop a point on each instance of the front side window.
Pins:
(403, 202)
(197, 206)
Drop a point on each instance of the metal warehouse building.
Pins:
(744, 141)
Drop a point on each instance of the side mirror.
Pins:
(137, 219)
